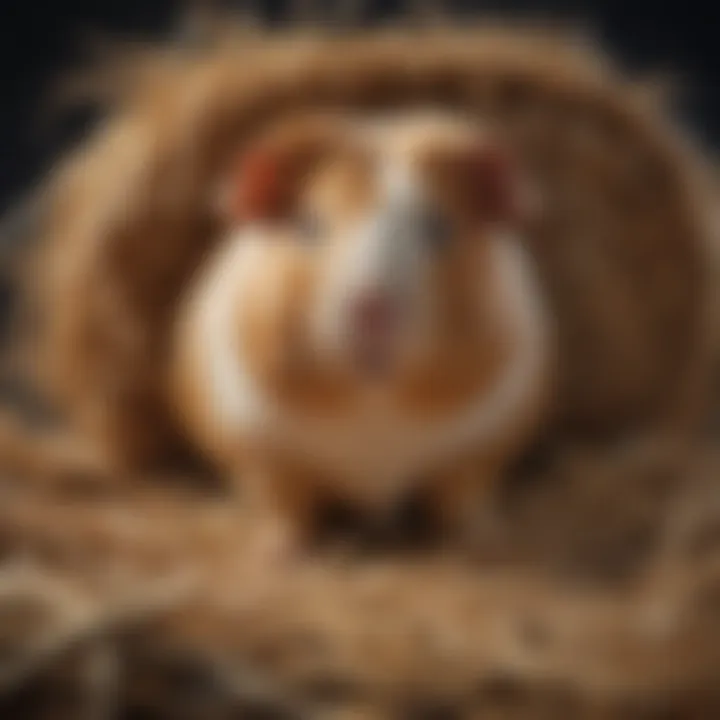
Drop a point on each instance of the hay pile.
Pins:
(595, 591)
(597, 597)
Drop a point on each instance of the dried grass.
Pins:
(595, 592)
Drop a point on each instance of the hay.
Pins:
(595, 591)
(601, 600)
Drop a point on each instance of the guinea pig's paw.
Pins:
(276, 543)
(474, 524)
(462, 501)
(484, 534)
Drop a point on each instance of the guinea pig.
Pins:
(371, 326)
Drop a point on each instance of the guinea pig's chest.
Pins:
(372, 449)
(375, 451)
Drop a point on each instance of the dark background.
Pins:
(40, 38)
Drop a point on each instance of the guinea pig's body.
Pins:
(376, 336)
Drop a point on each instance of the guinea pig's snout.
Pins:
(374, 315)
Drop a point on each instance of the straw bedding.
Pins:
(595, 591)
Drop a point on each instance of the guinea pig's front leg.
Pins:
(462, 501)
(282, 500)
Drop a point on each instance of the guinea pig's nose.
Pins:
(374, 313)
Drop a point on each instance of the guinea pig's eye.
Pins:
(309, 225)
(435, 228)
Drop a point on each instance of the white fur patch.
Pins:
(377, 451)
(387, 256)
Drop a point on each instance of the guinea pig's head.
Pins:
(387, 220)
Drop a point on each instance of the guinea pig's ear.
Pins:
(500, 193)
(266, 178)
(256, 187)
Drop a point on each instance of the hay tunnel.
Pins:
(597, 596)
